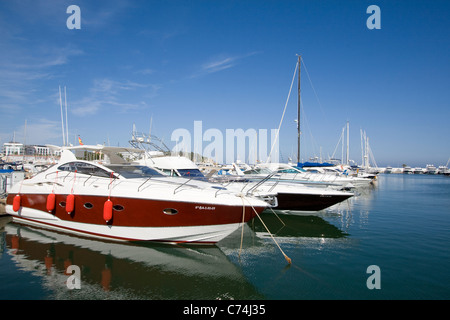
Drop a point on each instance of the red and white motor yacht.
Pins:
(128, 203)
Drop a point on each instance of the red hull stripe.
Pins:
(130, 212)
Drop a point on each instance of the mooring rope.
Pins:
(276, 215)
(243, 222)
(285, 256)
(55, 182)
(74, 179)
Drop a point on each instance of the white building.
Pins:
(13, 149)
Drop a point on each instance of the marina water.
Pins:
(401, 225)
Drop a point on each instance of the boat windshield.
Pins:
(84, 168)
(134, 172)
(258, 171)
(290, 170)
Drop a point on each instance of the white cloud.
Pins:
(145, 71)
(111, 93)
(220, 63)
(43, 57)
(9, 108)
(100, 15)
(21, 73)
(42, 131)
(38, 131)
(86, 106)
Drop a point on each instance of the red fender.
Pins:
(107, 210)
(16, 203)
(51, 202)
(70, 203)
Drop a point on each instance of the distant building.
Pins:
(14, 150)
(37, 150)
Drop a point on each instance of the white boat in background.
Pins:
(418, 170)
(123, 202)
(325, 176)
(295, 197)
(279, 194)
(407, 170)
(431, 169)
(443, 170)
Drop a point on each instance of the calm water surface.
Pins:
(402, 225)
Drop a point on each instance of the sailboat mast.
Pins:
(298, 111)
(67, 125)
(348, 140)
(62, 118)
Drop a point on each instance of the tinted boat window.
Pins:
(193, 173)
(133, 172)
(84, 168)
(288, 171)
(258, 171)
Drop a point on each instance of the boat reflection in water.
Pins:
(125, 271)
(295, 226)
(300, 238)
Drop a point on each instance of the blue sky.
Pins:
(230, 65)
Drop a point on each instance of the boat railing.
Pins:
(112, 179)
(48, 174)
(262, 181)
(143, 184)
(90, 176)
(64, 179)
(274, 185)
(224, 187)
(182, 184)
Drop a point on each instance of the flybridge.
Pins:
(116, 155)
